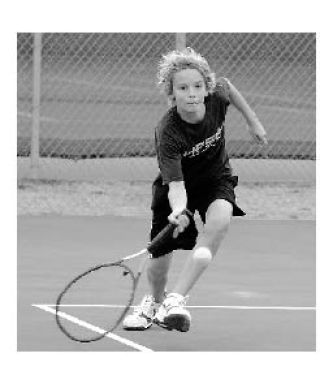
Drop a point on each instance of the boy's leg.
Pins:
(172, 312)
(143, 314)
(159, 264)
(218, 219)
(157, 273)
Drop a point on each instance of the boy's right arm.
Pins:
(177, 196)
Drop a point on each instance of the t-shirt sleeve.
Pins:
(169, 156)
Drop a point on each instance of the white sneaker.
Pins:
(142, 315)
(160, 315)
(172, 314)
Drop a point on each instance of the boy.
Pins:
(195, 174)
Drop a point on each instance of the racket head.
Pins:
(92, 280)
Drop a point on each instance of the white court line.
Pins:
(228, 307)
(290, 308)
(93, 328)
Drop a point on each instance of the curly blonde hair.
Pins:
(176, 61)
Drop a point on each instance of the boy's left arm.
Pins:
(255, 127)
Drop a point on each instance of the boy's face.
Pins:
(189, 90)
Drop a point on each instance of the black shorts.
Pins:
(199, 200)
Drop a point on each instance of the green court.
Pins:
(258, 294)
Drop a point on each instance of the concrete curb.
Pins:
(145, 169)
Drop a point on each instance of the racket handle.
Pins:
(161, 238)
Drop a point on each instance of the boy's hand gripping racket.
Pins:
(111, 285)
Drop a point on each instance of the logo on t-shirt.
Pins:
(204, 145)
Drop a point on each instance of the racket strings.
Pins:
(110, 287)
(100, 297)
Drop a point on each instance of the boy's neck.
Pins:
(192, 117)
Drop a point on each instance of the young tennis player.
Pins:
(195, 174)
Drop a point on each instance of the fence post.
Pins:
(180, 41)
(35, 135)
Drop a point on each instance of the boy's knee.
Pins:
(220, 209)
(216, 229)
(218, 218)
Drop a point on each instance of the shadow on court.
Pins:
(257, 295)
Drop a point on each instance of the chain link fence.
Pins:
(99, 102)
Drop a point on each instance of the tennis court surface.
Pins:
(258, 294)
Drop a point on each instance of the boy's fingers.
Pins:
(182, 221)
(261, 139)
(179, 229)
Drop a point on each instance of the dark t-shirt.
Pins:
(195, 153)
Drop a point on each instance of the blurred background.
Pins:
(88, 105)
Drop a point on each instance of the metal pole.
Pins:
(35, 135)
(180, 41)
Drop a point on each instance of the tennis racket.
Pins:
(109, 286)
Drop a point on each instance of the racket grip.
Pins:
(166, 234)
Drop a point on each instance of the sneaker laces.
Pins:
(176, 300)
(146, 307)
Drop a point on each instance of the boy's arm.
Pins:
(256, 129)
(177, 196)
